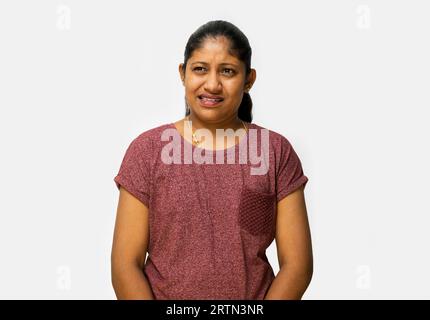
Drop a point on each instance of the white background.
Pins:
(347, 82)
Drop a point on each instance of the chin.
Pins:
(210, 116)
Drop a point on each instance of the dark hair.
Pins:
(239, 47)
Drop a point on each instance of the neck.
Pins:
(231, 123)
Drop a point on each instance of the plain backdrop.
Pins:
(347, 82)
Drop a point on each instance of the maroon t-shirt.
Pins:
(210, 223)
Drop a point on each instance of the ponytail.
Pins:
(245, 109)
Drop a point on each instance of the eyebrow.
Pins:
(222, 64)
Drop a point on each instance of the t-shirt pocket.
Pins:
(257, 211)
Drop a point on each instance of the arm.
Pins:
(293, 242)
(129, 248)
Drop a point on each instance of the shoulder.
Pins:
(151, 136)
(278, 141)
(142, 146)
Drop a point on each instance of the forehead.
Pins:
(214, 51)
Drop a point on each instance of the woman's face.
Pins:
(212, 71)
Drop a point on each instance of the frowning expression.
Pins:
(214, 80)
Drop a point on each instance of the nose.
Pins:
(212, 83)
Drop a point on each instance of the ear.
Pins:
(250, 80)
(181, 73)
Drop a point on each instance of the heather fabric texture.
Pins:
(210, 224)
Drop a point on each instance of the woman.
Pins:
(206, 225)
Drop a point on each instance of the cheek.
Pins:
(234, 89)
(235, 95)
(193, 84)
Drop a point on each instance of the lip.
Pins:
(210, 96)
(207, 103)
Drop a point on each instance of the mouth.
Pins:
(210, 101)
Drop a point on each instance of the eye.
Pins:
(197, 68)
(231, 71)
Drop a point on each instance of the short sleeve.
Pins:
(134, 172)
(290, 174)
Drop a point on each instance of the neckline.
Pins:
(235, 146)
